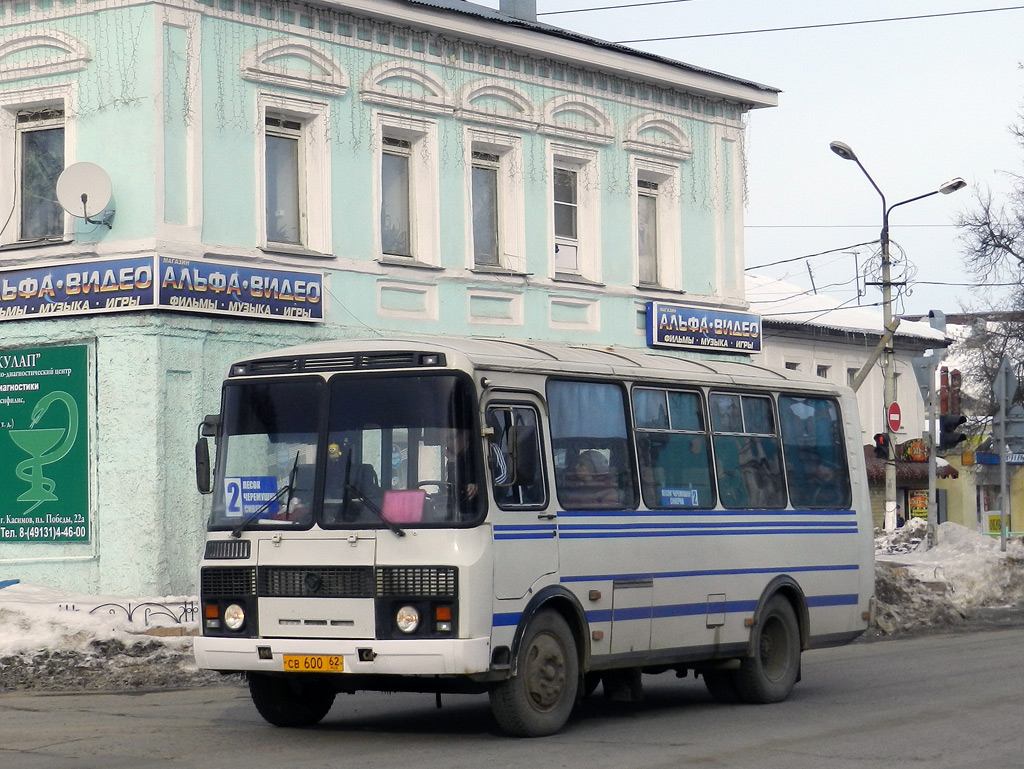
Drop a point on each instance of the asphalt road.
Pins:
(954, 700)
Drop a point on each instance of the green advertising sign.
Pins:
(44, 457)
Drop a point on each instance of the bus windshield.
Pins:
(357, 452)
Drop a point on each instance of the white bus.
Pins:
(525, 519)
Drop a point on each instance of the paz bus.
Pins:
(528, 520)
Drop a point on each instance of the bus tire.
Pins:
(538, 700)
(769, 675)
(288, 700)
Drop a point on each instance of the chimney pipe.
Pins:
(525, 10)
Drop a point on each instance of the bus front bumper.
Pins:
(433, 657)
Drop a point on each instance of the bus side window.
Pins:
(593, 465)
(673, 447)
(515, 457)
(814, 451)
(747, 454)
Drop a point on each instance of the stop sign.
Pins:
(894, 417)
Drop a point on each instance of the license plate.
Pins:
(314, 663)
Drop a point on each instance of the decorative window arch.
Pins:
(496, 104)
(294, 64)
(655, 135)
(405, 86)
(573, 117)
(56, 53)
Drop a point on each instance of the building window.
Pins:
(574, 205)
(566, 211)
(647, 231)
(658, 223)
(486, 231)
(407, 188)
(284, 169)
(395, 218)
(851, 375)
(822, 371)
(40, 147)
(792, 365)
(294, 170)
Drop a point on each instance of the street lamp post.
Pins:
(889, 353)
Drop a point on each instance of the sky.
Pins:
(920, 101)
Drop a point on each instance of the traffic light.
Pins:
(949, 437)
(881, 445)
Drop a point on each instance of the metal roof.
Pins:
(472, 9)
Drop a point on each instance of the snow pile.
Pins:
(918, 587)
(53, 641)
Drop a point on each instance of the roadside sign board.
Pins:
(894, 416)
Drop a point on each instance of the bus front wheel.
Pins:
(769, 675)
(538, 700)
(289, 700)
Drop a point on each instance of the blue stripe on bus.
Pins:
(701, 533)
(511, 619)
(703, 525)
(710, 573)
(697, 512)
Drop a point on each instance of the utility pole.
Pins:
(889, 353)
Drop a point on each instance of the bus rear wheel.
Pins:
(289, 700)
(770, 674)
(538, 700)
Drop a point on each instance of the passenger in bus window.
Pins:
(591, 482)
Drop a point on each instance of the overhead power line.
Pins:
(886, 20)
(612, 7)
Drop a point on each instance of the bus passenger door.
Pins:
(522, 520)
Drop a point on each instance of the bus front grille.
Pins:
(316, 582)
(419, 581)
(331, 582)
(228, 582)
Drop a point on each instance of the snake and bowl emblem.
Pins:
(44, 445)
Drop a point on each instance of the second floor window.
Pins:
(40, 144)
(566, 213)
(395, 172)
(647, 231)
(284, 168)
(486, 241)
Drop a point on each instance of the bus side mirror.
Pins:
(207, 428)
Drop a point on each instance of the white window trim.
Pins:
(315, 176)
(424, 192)
(12, 102)
(588, 196)
(511, 196)
(268, 63)
(670, 240)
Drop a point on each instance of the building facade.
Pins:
(187, 182)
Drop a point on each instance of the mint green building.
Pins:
(186, 182)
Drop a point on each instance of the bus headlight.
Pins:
(407, 619)
(234, 617)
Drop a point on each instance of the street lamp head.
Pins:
(952, 186)
(843, 150)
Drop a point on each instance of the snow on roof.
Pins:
(780, 303)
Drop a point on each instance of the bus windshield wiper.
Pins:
(286, 489)
(372, 507)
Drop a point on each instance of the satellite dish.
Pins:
(83, 190)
